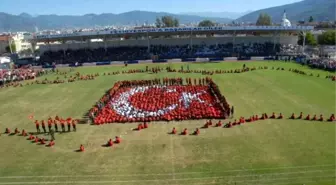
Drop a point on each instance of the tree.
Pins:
(11, 48)
(206, 23)
(327, 38)
(167, 21)
(310, 39)
(176, 23)
(311, 19)
(264, 20)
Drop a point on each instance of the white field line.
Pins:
(159, 180)
(167, 174)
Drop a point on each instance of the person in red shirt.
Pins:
(63, 125)
(308, 117)
(43, 126)
(117, 139)
(49, 124)
(55, 125)
(219, 124)
(42, 141)
(16, 131)
(300, 116)
(273, 116)
(173, 131)
(37, 124)
(51, 143)
(280, 116)
(74, 125)
(109, 143)
(145, 125)
(81, 148)
(314, 118)
(197, 131)
(24, 133)
(185, 131)
(69, 125)
(292, 116)
(321, 118)
(7, 131)
(332, 118)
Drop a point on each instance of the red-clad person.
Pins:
(145, 125)
(16, 131)
(292, 116)
(185, 132)
(109, 143)
(300, 116)
(332, 117)
(219, 124)
(173, 131)
(37, 124)
(321, 118)
(197, 131)
(7, 131)
(280, 116)
(42, 141)
(74, 125)
(307, 117)
(117, 140)
(314, 118)
(49, 124)
(273, 116)
(31, 137)
(63, 125)
(24, 133)
(43, 126)
(69, 124)
(55, 125)
(81, 148)
(51, 143)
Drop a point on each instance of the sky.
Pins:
(80, 7)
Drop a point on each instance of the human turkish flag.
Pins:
(154, 103)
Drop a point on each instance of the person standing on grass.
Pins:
(232, 111)
(43, 126)
(52, 134)
(37, 124)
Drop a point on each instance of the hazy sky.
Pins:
(79, 7)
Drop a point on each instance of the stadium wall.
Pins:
(172, 42)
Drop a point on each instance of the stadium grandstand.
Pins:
(168, 43)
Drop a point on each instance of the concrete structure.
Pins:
(171, 36)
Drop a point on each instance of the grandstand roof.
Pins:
(167, 31)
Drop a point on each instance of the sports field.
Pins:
(263, 152)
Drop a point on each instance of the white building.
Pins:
(22, 41)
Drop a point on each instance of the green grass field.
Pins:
(264, 152)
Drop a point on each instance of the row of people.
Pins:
(313, 118)
(56, 122)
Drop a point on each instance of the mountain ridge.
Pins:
(26, 22)
(320, 10)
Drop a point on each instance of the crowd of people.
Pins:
(162, 51)
(323, 63)
(14, 75)
(169, 99)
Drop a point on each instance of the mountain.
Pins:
(321, 10)
(230, 15)
(26, 22)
